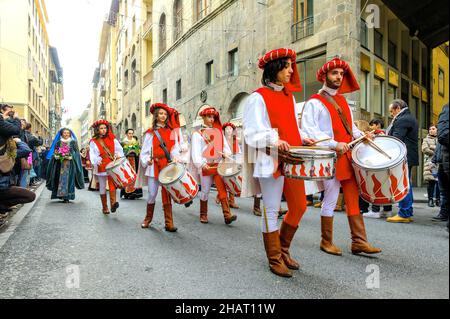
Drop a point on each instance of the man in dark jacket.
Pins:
(10, 196)
(443, 171)
(404, 126)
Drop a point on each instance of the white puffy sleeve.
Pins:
(118, 149)
(258, 132)
(316, 123)
(178, 139)
(226, 147)
(94, 154)
(146, 151)
(197, 151)
(356, 131)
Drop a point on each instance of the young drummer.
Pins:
(209, 146)
(104, 148)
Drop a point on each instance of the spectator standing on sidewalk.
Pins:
(443, 170)
(404, 126)
(10, 195)
(430, 173)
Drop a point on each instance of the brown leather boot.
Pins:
(105, 208)
(232, 201)
(359, 237)
(113, 201)
(257, 206)
(273, 251)
(204, 212)
(168, 216)
(228, 216)
(326, 244)
(287, 233)
(149, 216)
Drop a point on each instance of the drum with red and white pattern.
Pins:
(180, 184)
(382, 180)
(313, 165)
(231, 175)
(121, 172)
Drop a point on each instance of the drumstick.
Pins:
(375, 146)
(359, 139)
(320, 141)
(226, 156)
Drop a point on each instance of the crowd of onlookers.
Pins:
(21, 161)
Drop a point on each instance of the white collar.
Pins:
(66, 141)
(402, 111)
(275, 87)
(328, 90)
(160, 125)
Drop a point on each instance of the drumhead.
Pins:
(366, 156)
(228, 169)
(171, 173)
(116, 163)
(312, 153)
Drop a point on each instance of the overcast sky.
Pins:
(74, 29)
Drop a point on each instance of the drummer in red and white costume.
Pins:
(321, 120)
(209, 146)
(153, 159)
(230, 132)
(270, 120)
(104, 147)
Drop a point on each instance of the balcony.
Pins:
(147, 28)
(303, 29)
(148, 78)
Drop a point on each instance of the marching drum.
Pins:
(231, 175)
(310, 164)
(180, 184)
(121, 172)
(382, 180)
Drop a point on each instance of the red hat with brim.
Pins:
(173, 116)
(295, 84)
(212, 111)
(349, 83)
(108, 125)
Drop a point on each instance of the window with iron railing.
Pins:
(303, 19)
(201, 9)
(177, 19)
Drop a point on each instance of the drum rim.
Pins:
(121, 160)
(332, 154)
(400, 160)
(229, 175)
(313, 179)
(176, 180)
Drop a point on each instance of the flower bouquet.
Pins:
(63, 153)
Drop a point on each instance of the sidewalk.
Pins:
(419, 196)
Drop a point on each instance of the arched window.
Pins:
(236, 109)
(133, 122)
(133, 73)
(177, 19)
(162, 34)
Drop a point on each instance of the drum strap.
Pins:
(163, 146)
(344, 120)
(106, 149)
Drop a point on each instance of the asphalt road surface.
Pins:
(73, 251)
